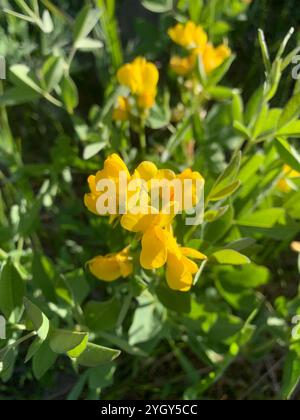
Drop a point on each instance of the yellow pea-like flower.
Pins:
(111, 267)
(141, 77)
(181, 269)
(214, 57)
(122, 110)
(289, 174)
(190, 36)
(183, 65)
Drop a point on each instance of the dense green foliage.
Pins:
(70, 336)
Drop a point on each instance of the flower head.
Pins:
(189, 36)
(193, 38)
(111, 267)
(150, 219)
(141, 77)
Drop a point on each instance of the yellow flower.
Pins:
(156, 238)
(111, 267)
(122, 110)
(214, 57)
(183, 66)
(189, 36)
(289, 173)
(141, 77)
(113, 165)
(181, 269)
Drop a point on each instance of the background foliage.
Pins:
(231, 338)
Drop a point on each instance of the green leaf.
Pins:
(95, 355)
(158, 6)
(33, 349)
(266, 218)
(229, 257)
(176, 301)
(147, 321)
(291, 372)
(89, 44)
(288, 154)
(18, 96)
(43, 360)
(264, 50)
(242, 129)
(44, 275)
(93, 149)
(22, 74)
(213, 215)
(77, 351)
(7, 360)
(47, 25)
(69, 94)
(248, 276)
(290, 130)
(78, 285)
(226, 192)
(38, 318)
(290, 112)
(102, 316)
(62, 341)
(52, 72)
(217, 75)
(237, 108)
(12, 291)
(226, 183)
(85, 23)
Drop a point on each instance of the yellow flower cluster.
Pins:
(289, 174)
(153, 229)
(194, 39)
(141, 78)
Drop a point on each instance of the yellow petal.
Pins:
(138, 223)
(150, 77)
(122, 110)
(114, 165)
(193, 253)
(92, 184)
(154, 250)
(90, 202)
(183, 66)
(146, 171)
(190, 265)
(178, 278)
(146, 100)
(105, 268)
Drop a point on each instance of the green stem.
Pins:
(22, 340)
(124, 310)
(142, 136)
